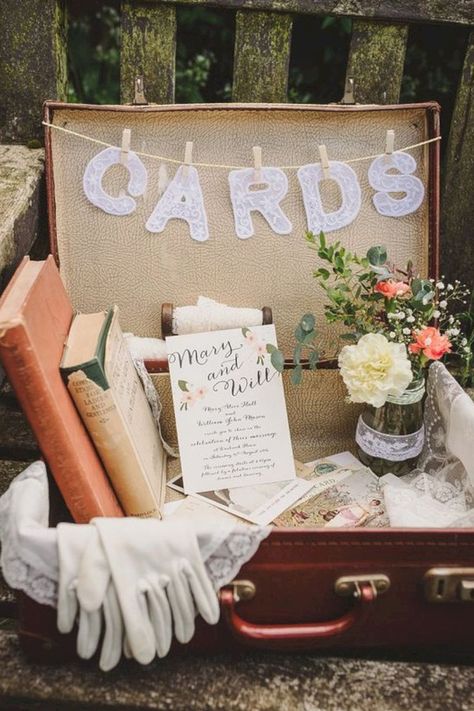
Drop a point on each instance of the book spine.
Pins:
(85, 497)
(107, 429)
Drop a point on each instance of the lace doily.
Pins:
(92, 182)
(382, 180)
(182, 200)
(266, 200)
(29, 548)
(394, 448)
(318, 219)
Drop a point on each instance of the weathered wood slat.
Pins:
(376, 61)
(457, 213)
(262, 56)
(443, 11)
(149, 50)
(32, 64)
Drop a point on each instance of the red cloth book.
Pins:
(35, 317)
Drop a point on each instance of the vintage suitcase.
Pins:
(310, 589)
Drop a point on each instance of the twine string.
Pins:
(166, 159)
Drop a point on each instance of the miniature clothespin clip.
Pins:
(125, 148)
(188, 158)
(323, 157)
(257, 162)
(389, 143)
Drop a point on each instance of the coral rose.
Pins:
(391, 289)
(374, 369)
(431, 343)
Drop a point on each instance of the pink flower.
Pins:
(261, 349)
(391, 289)
(251, 338)
(199, 393)
(431, 343)
(188, 398)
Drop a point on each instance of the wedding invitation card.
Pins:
(230, 409)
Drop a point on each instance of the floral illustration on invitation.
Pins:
(230, 409)
(191, 395)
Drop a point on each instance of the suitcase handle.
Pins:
(298, 636)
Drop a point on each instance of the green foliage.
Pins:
(305, 335)
(370, 295)
(204, 57)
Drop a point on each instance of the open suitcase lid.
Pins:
(106, 259)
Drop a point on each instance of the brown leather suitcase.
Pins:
(304, 589)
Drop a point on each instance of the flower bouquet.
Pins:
(398, 323)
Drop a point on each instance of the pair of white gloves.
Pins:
(137, 578)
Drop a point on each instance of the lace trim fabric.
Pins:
(395, 448)
(29, 548)
(153, 401)
(442, 390)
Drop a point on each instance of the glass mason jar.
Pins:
(390, 438)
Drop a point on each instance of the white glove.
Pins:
(76, 542)
(159, 577)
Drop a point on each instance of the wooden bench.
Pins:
(33, 62)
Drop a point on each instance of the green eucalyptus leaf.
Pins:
(313, 359)
(245, 331)
(296, 375)
(271, 348)
(307, 322)
(183, 385)
(377, 256)
(309, 338)
(297, 353)
(322, 273)
(349, 337)
(299, 334)
(278, 360)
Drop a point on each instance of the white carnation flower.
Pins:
(374, 369)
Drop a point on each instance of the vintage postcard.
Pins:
(355, 500)
(230, 409)
(259, 504)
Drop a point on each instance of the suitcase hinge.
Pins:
(449, 585)
(139, 98)
(348, 97)
(350, 585)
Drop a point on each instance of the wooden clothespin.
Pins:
(188, 158)
(257, 162)
(125, 148)
(323, 157)
(389, 143)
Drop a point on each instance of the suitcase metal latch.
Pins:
(243, 590)
(349, 585)
(449, 585)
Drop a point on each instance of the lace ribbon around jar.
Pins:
(394, 448)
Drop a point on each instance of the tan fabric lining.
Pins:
(106, 259)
